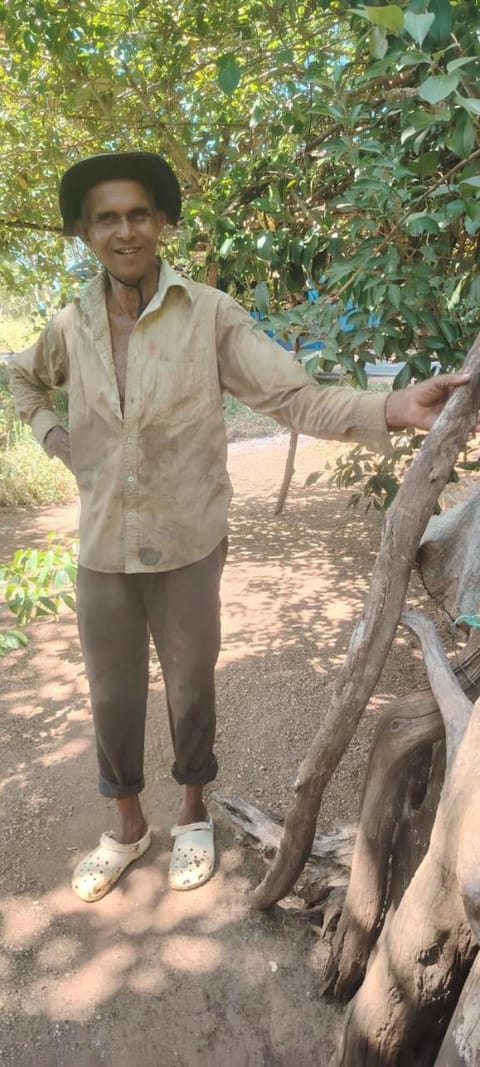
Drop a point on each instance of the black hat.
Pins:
(145, 167)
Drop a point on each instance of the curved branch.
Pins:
(375, 630)
(455, 707)
(36, 227)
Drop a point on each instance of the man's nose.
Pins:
(124, 227)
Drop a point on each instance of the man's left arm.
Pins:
(267, 378)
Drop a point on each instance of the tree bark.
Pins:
(449, 560)
(287, 474)
(373, 634)
(427, 945)
(461, 1047)
(409, 726)
(331, 854)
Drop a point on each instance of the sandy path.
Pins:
(147, 976)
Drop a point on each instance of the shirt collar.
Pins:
(93, 294)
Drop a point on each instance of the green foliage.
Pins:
(18, 327)
(332, 146)
(28, 478)
(35, 584)
(375, 479)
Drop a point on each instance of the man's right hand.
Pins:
(57, 443)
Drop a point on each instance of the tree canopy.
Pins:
(320, 146)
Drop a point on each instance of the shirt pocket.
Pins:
(180, 387)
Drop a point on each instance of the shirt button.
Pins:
(130, 514)
(130, 478)
(129, 440)
(149, 556)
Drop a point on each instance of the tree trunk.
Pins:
(461, 1047)
(373, 634)
(427, 944)
(391, 809)
(449, 560)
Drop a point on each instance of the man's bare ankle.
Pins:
(192, 813)
(132, 821)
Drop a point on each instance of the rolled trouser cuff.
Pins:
(199, 777)
(119, 791)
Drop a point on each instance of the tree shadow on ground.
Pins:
(147, 975)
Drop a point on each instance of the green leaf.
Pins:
(262, 297)
(389, 17)
(360, 375)
(412, 59)
(438, 87)
(60, 578)
(454, 64)
(264, 245)
(426, 164)
(473, 181)
(418, 25)
(409, 316)
(394, 294)
(472, 217)
(420, 223)
(49, 604)
(226, 248)
(378, 343)
(470, 103)
(32, 561)
(229, 74)
(461, 138)
(378, 42)
(442, 27)
(20, 638)
(403, 377)
(311, 365)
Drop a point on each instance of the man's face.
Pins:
(121, 224)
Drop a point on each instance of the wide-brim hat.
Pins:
(145, 167)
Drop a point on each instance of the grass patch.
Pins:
(28, 478)
(242, 423)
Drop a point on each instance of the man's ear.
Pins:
(81, 230)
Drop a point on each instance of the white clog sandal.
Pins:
(98, 872)
(193, 856)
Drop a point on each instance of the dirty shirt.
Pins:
(153, 480)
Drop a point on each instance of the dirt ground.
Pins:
(146, 976)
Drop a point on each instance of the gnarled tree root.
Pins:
(408, 728)
(427, 945)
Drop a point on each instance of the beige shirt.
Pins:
(153, 481)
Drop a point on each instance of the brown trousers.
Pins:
(116, 614)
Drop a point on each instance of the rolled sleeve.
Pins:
(268, 379)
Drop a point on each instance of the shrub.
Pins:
(36, 583)
(28, 478)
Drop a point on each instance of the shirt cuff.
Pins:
(370, 416)
(42, 423)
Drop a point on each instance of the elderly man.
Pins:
(145, 355)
